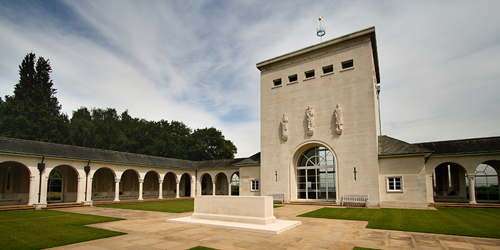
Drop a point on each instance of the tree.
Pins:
(210, 144)
(33, 112)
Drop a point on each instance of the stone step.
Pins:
(465, 205)
(16, 208)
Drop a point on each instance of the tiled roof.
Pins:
(466, 146)
(390, 146)
(28, 147)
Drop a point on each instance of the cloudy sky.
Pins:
(194, 61)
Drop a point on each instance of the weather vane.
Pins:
(320, 31)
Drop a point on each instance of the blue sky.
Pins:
(194, 61)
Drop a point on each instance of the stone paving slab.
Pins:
(148, 230)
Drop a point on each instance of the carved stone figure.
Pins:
(310, 120)
(339, 123)
(284, 127)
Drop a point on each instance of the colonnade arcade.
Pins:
(20, 184)
(452, 182)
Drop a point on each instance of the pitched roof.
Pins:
(390, 146)
(28, 147)
(465, 146)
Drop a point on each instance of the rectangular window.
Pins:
(348, 64)
(292, 78)
(394, 184)
(309, 74)
(277, 82)
(328, 69)
(255, 186)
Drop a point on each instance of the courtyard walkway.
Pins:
(148, 230)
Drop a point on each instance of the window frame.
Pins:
(309, 72)
(277, 81)
(293, 76)
(344, 68)
(252, 189)
(394, 190)
(327, 68)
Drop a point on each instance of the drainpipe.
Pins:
(41, 167)
(87, 170)
(379, 115)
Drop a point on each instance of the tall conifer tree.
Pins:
(33, 112)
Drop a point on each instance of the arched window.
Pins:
(316, 175)
(54, 191)
(486, 183)
(235, 184)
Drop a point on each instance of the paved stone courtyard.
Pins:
(148, 230)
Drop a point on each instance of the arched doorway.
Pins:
(169, 185)
(221, 184)
(486, 183)
(450, 183)
(206, 185)
(14, 184)
(103, 185)
(316, 175)
(235, 184)
(151, 185)
(185, 186)
(62, 185)
(129, 185)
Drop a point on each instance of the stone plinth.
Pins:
(243, 209)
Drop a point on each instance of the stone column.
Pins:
(33, 196)
(117, 190)
(177, 189)
(229, 188)
(193, 189)
(198, 188)
(213, 188)
(89, 189)
(472, 190)
(141, 181)
(160, 189)
(79, 193)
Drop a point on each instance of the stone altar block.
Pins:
(247, 213)
(244, 209)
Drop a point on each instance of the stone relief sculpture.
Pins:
(339, 123)
(284, 127)
(310, 120)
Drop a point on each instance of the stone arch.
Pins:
(151, 185)
(185, 185)
(14, 183)
(169, 185)
(235, 183)
(62, 184)
(103, 184)
(315, 176)
(486, 181)
(206, 184)
(221, 184)
(450, 183)
(129, 185)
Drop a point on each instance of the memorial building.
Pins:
(320, 140)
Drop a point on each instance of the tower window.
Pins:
(348, 64)
(328, 69)
(309, 74)
(292, 78)
(277, 82)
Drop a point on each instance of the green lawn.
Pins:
(38, 229)
(179, 206)
(455, 221)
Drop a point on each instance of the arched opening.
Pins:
(486, 182)
(62, 185)
(151, 186)
(235, 184)
(221, 186)
(185, 186)
(14, 184)
(169, 185)
(206, 185)
(129, 185)
(450, 183)
(316, 175)
(103, 185)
